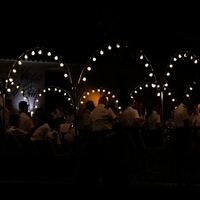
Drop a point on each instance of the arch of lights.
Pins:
(42, 93)
(193, 88)
(177, 57)
(158, 88)
(116, 48)
(95, 94)
(34, 54)
(163, 94)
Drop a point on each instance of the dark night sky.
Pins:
(77, 29)
(70, 29)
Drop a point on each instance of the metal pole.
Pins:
(162, 104)
(75, 117)
(3, 98)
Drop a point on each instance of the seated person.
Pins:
(25, 117)
(38, 117)
(14, 132)
(58, 110)
(68, 131)
(54, 136)
(54, 133)
(40, 132)
(69, 114)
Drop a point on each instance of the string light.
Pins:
(178, 56)
(113, 47)
(95, 94)
(157, 87)
(44, 91)
(39, 54)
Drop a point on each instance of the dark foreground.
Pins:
(161, 175)
(57, 190)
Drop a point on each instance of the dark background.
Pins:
(77, 29)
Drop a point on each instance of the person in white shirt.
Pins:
(58, 110)
(54, 134)
(182, 125)
(194, 121)
(153, 124)
(85, 126)
(182, 144)
(44, 131)
(40, 132)
(130, 115)
(101, 120)
(130, 119)
(38, 117)
(25, 119)
(15, 133)
(69, 114)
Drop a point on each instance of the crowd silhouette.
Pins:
(110, 145)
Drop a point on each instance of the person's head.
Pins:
(136, 105)
(14, 120)
(103, 100)
(89, 105)
(130, 102)
(55, 123)
(140, 108)
(23, 106)
(118, 111)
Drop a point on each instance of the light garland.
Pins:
(193, 87)
(115, 49)
(15, 86)
(36, 53)
(180, 56)
(143, 87)
(43, 92)
(95, 94)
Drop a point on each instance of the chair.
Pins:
(51, 160)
